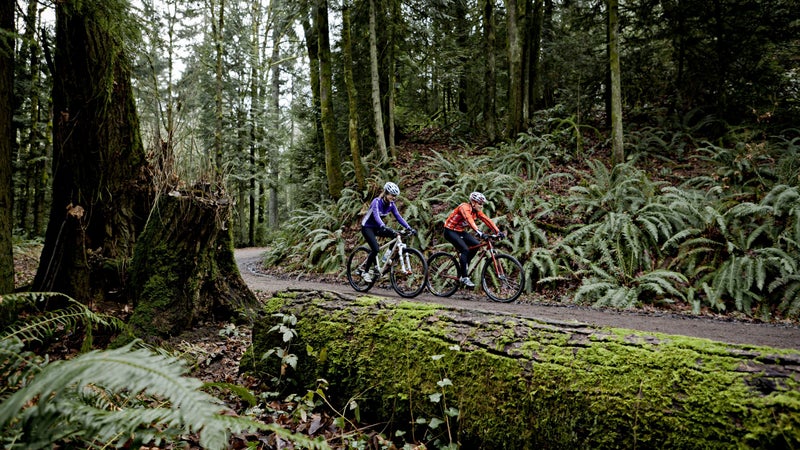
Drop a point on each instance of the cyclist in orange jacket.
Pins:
(457, 229)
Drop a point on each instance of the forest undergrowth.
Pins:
(686, 225)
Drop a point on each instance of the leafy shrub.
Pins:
(125, 396)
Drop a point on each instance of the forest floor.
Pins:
(216, 348)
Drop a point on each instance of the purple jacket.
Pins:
(378, 209)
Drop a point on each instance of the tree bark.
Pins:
(102, 191)
(523, 383)
(217, 29)
(6, 140)
(515, 74)
(183, 274)
(617, 150)
(490, 73)
(377, 115)
(534, 74)
(352, 96)
(333, 162)
(311, 38)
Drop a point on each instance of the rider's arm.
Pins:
(375, 214)
(485, 219)
(400, 220)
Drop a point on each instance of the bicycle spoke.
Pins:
(503, 280)
(409, 281)
(355, 269)
(442, 274)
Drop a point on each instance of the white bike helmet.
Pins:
(477, 197)
(391, 188)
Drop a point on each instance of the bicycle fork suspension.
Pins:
(405, 261)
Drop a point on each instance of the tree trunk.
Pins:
(490, 73)
(352, 97)
(333, 162)
(273, 153)
(101, 189)
(312, 47)
(529, 384)
(392, 91)
(515, 75)
(182, 274)
(534, 74)
(6, 140)
(377, 115)
(217, 30)
(617, 150)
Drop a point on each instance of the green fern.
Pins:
(604, 289)
(111, 398)
(326, 250)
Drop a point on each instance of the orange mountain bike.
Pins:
(502, 277)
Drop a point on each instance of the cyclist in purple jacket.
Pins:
(372, 224)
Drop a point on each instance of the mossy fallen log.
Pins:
(494, 381)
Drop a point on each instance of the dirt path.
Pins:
(758, 334)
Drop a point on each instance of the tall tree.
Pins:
(352, 97)
(490, 72)
(535, 38)
(31, 108)
(515, 28)
(392, 94)
(217, 29)
(617, 151)
(101, 195)
(377, 114)
(333, 162)
(6, 140)
(310, 32)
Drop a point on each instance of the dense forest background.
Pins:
(580, 120)
(638, 153)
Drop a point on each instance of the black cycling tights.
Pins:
(369, 234)
(462, 241)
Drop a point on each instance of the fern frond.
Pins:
(64, 389)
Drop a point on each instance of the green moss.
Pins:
(523, 384)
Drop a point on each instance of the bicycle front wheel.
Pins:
(411, 281)
(355, 269)
(442, 274)
(503, 278)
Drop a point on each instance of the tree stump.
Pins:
(183, 268)
(488, 380)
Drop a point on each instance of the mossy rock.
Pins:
(499, 381)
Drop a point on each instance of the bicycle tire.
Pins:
(409, 284)
(356, 261)
(507, 288)
(442, 274)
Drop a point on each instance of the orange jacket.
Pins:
(464, 216)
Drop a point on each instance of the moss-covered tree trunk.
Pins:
(497, 381)
(101, 187)
(183, 269)
(333, 161)
(6, 142)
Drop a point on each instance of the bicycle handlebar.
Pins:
(494, 237)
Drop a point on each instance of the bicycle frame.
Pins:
(486, 251)
(397, 252)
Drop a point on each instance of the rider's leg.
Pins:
(460, 243)
(372, 241)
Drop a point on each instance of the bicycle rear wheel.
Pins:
(503, 280)
(442, 274)
(355, 268)
(411, 282)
